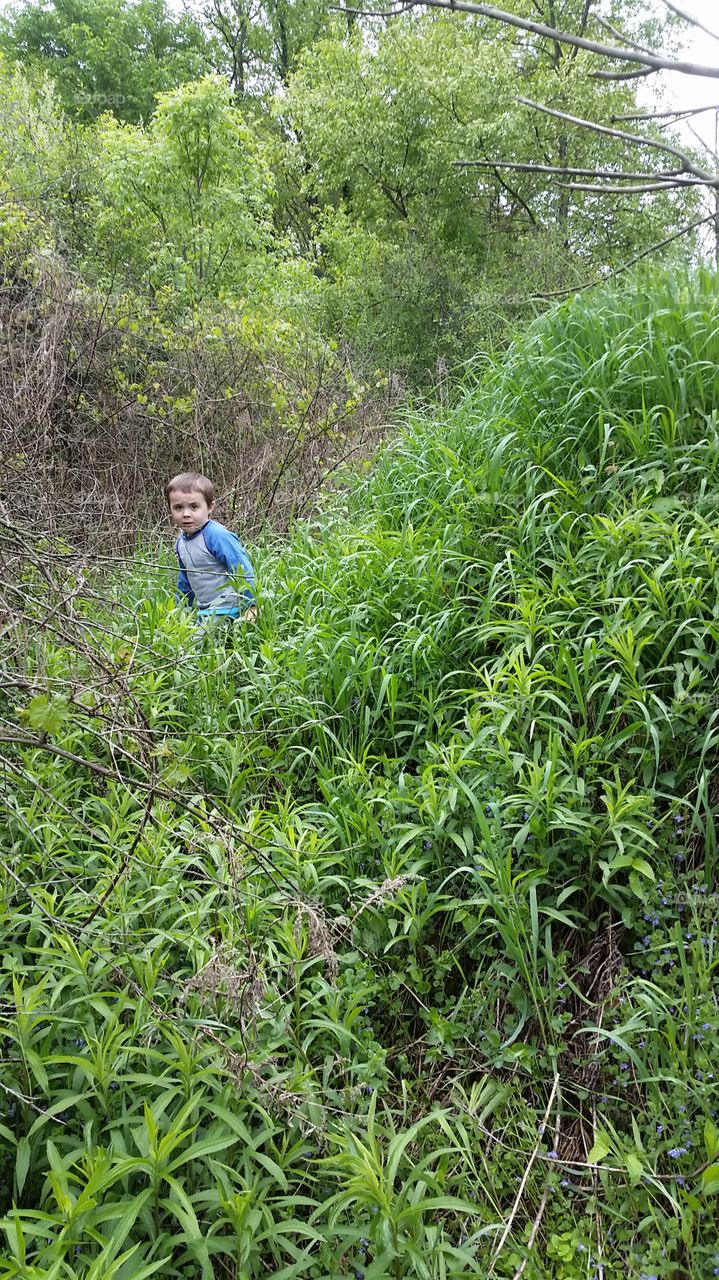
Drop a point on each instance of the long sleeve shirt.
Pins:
(212, 561)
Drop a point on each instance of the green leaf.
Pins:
(643, 867)
(22, 1163)
(634, 1166)
(600, 1149)
(45, 714)
(711, 1139)
(710, 1180)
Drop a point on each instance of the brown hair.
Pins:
(189, 481)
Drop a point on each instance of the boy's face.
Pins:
(190, 510)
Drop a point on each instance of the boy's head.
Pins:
(191, 499)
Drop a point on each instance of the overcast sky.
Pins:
(696, 91)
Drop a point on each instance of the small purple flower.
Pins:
(553, 1155)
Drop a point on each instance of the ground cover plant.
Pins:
(380, 939)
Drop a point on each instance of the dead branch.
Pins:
(681, 113)
(694, 22)
(647, 188)
(676, 176)
(622, 75)
(619, 35)
(688, 165)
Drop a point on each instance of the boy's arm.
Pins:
(228, 549)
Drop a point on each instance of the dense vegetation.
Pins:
(381, 940)
(236, 238)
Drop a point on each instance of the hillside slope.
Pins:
(382, 941)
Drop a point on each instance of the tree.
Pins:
(242, 40)
(106, 54)
(259, 42)
(35, 160)
(383, 124)
(583, 29)
(184, 201)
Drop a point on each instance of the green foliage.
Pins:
(104, 55)
(184, 202)
(34, 158)
(380, 937)
(414, 240)
(375, 223)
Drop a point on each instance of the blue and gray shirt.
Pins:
(211, 561)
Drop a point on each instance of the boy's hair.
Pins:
(189, 480)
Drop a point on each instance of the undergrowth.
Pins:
(379, 939)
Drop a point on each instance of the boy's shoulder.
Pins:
(214, 530)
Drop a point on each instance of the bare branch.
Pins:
(688, 165)
(642, 190)
(676, 176)
(653, 60)
(641, 74)
(694, 22)
(680, 113)
(712, 152)
(619, 35)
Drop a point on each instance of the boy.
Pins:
(209, 556)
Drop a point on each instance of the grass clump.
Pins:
(382, 941)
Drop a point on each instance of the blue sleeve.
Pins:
(228, 549)
(184, 590)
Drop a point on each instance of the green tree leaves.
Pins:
(183, 202)
(107, 56)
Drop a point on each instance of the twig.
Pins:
(694, 22)
(569, 171)
(527, 1171)
(625, 266)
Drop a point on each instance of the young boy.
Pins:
(209, 556)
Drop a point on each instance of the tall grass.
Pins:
(381, 941)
